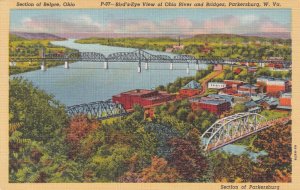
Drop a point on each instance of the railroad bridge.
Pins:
(99, 110)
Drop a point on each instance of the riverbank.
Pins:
(206, 46)
(22, 47)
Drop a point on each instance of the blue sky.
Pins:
(152, 21)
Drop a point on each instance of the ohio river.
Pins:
(87, 81)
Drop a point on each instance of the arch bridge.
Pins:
(235, 127)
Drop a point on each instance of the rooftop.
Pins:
(138, 92)
(248, 86)
(286, 95)
(250, 104)
(192, 85)
(270, 78)
(228, 98)
(209, 100)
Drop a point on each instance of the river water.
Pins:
(88, 81)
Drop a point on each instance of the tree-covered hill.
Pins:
(207, 45)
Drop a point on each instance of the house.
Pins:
(191, 89)
(273, 84)
(268, 102)
(285, 101)
(252, 107)
(228, 98)
(216, 85)
(213, 105)
(248, 90)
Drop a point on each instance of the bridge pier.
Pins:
(197, 67)
(105, 65)
(146, 66)
(43, 66)
(139, 69)
(171, 66)
(188, 69)
(67, 65)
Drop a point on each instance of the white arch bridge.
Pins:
(232, 128)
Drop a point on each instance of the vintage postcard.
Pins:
(150, 94)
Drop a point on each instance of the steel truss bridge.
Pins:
(99, 110)
(232, 128)
(138, 56)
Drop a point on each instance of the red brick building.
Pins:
(232, 86)
(274, 85)
(141, 97)
(191, 89)
(214, 105)
(285, 101)
(233, 83)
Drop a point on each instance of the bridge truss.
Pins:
(138, 55)
(229, 129)
(99, 110)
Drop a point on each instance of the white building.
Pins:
(216, 85)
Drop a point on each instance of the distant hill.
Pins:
(246, 36)
(278, 35)
(40, 36)
(281, 35)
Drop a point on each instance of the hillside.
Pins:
(207, 45)
(39, 36)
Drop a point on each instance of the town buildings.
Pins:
(273, 85)
(248, 90)
(285, 101)
(211, 104)
(216, 85)
(142, 97)
(191, 89)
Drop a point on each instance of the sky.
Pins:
(152, 21)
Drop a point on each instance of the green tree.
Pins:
(239, 108)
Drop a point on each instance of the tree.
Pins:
(188, 160)
(80, 126)
(231, 168)
(239, 108)
(158, 171)
(43, 116)
(276, 166)
(37, 137)
(182, 114)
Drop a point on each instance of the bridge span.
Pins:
(99, 110)
(235, 127)
(138, 56)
